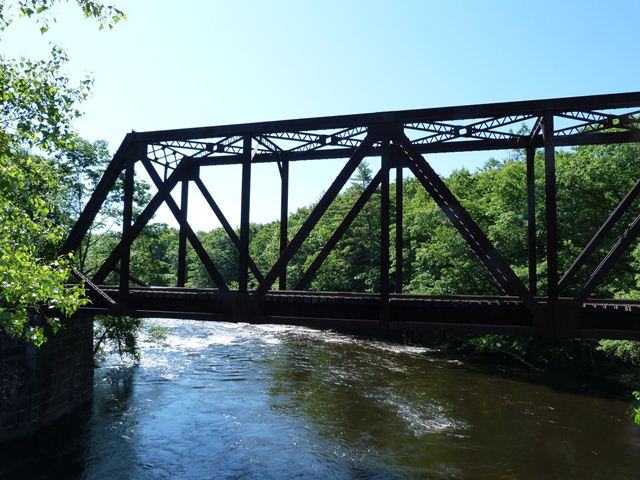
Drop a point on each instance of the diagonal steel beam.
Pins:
(226, 225)
(315, 216)
(466, 226)
(620, 247)
(268, 144)
(136, 228)
(306, 278)
(536, 130)
(184, 225)
(99, 195)
(596, 240)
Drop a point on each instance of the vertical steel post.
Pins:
(284, 216)
(399, 228)
(182, 240)
(531, 219)
(127, 217)
(243, 264)
(551, 216)
(384, 233)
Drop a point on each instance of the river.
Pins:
(235, 401)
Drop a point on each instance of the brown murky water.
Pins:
(226, 401)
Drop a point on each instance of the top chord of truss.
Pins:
(611, 118)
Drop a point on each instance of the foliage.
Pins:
(118, 332)
(37, 107)
(158, 333)
(105, 15)
(627, 351)
(37, 102)
(635, 408)
(81, 167)
(492, 343)
(221, 248)
(533, 353)
(32, 278)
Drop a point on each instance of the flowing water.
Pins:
(234, 401)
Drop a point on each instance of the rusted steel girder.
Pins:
(400, 139)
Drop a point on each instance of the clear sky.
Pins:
(193, 63)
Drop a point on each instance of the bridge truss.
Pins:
(402, 140)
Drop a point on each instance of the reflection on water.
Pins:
(232, 401)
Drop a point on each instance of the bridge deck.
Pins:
(361, 311)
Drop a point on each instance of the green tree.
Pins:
(31, 277)
(224, 255)
(105, 15)
(37, 107)
(81, 166)
(119, 332)
(363, 176)
(354, 264)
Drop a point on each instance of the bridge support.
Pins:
(182, 236)
(127, 216)
(283, 167)
(385, 168)
(38, 386)
(243, 273)
(551, 315)
(531, 220)
(399, 229)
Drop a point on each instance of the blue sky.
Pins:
(192, 63)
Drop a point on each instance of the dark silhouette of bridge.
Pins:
(401, 140)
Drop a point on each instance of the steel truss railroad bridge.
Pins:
(401, 140)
